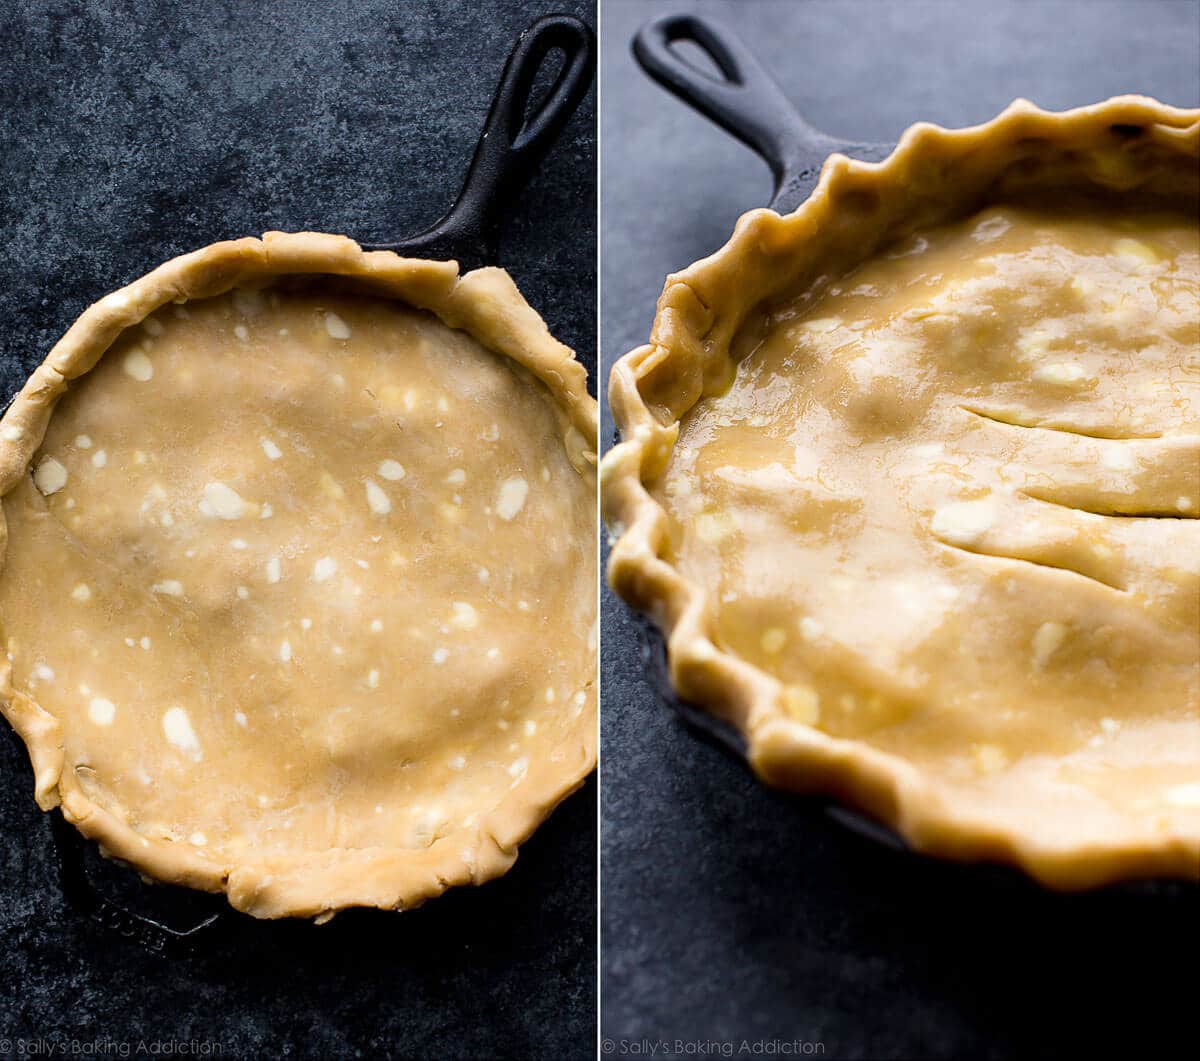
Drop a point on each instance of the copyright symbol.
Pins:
(607, 1046)
(5, 1046)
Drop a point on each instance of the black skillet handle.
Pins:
(745, 101)
(513, 142)
(82, 894)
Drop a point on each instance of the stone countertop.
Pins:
(732, 913)
(132, 132)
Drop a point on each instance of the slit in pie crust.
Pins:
(298, 587)
(910, 478)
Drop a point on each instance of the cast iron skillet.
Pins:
(510, 148)
(748, 103)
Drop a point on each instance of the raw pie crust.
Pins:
(910, 479)
(298, 585)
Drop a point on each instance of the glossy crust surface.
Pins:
(730, 338)
(272, 623)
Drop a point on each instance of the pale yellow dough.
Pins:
(934, 545)
(299, 589)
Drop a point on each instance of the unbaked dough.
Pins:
(923, 525)
(298, 595)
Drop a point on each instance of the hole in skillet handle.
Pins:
(511, 146)
(514, 141)
(745, 101)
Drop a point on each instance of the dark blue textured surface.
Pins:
(734, 913)
(132, 132)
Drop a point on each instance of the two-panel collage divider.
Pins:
(666, 607)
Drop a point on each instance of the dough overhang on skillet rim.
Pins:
(1076, 801)
(298, 589)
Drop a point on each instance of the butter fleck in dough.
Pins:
(949, 504)
(326, 663)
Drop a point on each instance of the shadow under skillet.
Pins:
(494, 971)
(733, 912)
(131, 135)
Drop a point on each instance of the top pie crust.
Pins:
(298, 584)
(910, 479)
